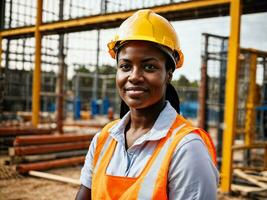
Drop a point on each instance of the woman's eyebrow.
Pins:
(143, 60)
(124, 59)
(149, 59)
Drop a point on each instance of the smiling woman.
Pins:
(151, 152)
(141, 75)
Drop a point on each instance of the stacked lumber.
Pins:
(250, 183)
(49, 151)
(8, 134)
(96, 123)
(254, 156)
(84, 126)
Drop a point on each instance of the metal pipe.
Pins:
(250, 105)
(95, 80)
(111, 18)
(1, 82)
(61, 75)
(221, 101)
(24, 168)
(231, 97)
(37, 68)
(202, 94)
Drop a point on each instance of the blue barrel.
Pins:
(77, 108)
(189, 109)
(51, 107)
(94, 107)
(106, 105)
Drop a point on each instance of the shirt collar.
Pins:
(159, 130)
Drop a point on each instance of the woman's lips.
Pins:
(135, 91)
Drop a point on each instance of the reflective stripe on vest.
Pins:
(102, 143)
(152, 181)
(150, 178)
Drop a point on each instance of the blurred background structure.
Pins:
(55, 70)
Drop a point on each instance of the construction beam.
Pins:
(246, 189)
(45, 139)
(249, 178)
(251, 168)
(48, 148)
(61, 76)
(24, 168)
(36, 86)
(1, 52)
(231, 97)
(254, 51)
(250, 106)
(175, 11)
(202, 94)
(46, 157)
(54, 177)
(114, 19)
(250, 146)
(23, 31)
(16, 131)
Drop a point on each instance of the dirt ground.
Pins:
(14, 186)
(17, 187)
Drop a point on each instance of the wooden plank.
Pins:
(246, 189)
(263, 173)
(54, 177)
(259, 178)
(249, 168)
(44, 139)
(14, 131)
(247, 177)
(49, 148)
(252, 146)
(24, 168)
(87, 125)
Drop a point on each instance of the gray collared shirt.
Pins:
(192, 174)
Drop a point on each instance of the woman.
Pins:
(151, 152)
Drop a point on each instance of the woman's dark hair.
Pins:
(171, 96)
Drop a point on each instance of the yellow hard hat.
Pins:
(146, 25)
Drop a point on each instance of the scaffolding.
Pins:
(250, 129)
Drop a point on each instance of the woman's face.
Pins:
(141, 74)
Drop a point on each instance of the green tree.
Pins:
(184, 82)
(107, 69)
(82, 68)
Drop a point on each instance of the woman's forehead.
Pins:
(142, 48)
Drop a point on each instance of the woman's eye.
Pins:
(125, 67)
(149, 67)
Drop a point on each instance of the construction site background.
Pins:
(57, 90)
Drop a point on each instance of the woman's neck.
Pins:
(145, 118)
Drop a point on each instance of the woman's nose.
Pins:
(136, 75)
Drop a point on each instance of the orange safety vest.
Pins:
(152, 182)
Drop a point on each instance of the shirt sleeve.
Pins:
(192, 174)
(86, 173)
